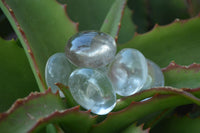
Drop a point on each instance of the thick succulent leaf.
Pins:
(135, 129)
(93, 18)
(112, 21)
(129, 109)
(126, 101)
(182, 76)
(17, 79)
(121, 119)
(178, 41)
(42, 27)
(118, 16)
(128, 28)
(71, 120)
(177, 125)
(175, 76)
(25, 113)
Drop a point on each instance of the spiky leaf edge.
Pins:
(29, 52)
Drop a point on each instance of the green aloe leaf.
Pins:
(42, 27)
(176, 124)
(71, 120)
(182, 76)
(162, 98)
(35, 112)
(128, 28)
(130, 109)
(17, 79)
(175, 76)
(112, 22)
(136, 110)
(155, 91)
(172, 42)
(25, 113)
(119, 15)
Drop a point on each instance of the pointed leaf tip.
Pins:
(112, 22)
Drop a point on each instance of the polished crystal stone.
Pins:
(91, 49)
(128, 72)
(155, 76)
(58, 69)
(92, 90)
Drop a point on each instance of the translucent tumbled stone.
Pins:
(155, 77)
(92, 90)
(128, 72)
(91, 49)
(58, 69)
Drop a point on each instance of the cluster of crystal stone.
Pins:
(95, 75)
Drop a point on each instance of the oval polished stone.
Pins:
(92, 90)
(58, 69)
(91, 49)
(155, 76)
(128, 72)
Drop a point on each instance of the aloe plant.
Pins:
(43, 28)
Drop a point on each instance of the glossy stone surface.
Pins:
(92, 90)
(58, 69)
(128, 72)
(155, 76)
(91, 49)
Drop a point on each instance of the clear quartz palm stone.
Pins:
(155, 76)
(128, 72)
(91, 49)
(92, 90)
(58, 69)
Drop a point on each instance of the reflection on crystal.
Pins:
(146, 99)
(128, 72)
(91, 49)
(93, 90)
(58, 69)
